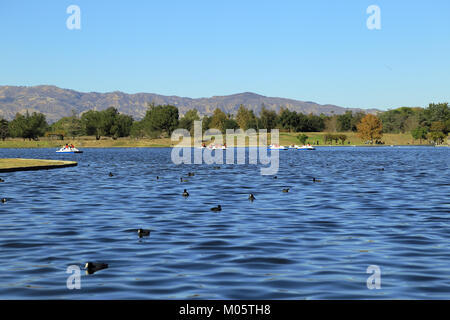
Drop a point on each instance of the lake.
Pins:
(314, 242)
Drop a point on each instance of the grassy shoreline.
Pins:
(315, 138)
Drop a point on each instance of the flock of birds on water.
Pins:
(92, 267)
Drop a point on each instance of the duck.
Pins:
(4, 200)
(185, 193)
(216, 209)
(157, 178)
(191, 174)
(92, 267)
(275, 177)
(286, 190)
(182, 180)
(316, 180)
(143, 233)
(1, 180)
(251, 197)
(111, 174)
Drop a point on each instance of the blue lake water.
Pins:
(315, 242)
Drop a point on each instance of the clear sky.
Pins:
(319, 50)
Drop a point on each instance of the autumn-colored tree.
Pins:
(370, 128)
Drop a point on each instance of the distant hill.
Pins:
(56, 103)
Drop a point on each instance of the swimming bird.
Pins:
(218, 208)
(275, 177)
(4, 200)
(1, 180)
(185, 193)
(315, 180)
(157, 178)
(111, 174)
(286, 190)
(251, 197)
(143, 233)
(191, 174)
(92, 267)
(182, 180)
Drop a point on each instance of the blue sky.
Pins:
(318, 50)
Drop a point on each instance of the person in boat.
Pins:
(67, 146)
(72, 146)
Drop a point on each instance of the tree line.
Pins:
(431, 123)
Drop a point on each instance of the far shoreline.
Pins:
(285, 139)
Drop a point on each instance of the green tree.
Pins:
(4, 129)
(28, 126)
(37, 126)
(245, 118)
(268, 119)
(437, 112)
(107, 121)
(187, 122)
(91, 123)
(218, 120)
(396, 120)
(344, 122)
(314, 123)
(302, 138)
(71, 126)
(436, 136)
(161, 118)
(343, 138)
(230, 123)
(289, 120)
(206, 123)
(17, 126)
(436, 133)
(122, 126)
(419, 133)
(137, 129)
(328, 138)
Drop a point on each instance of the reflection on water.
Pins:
(313, 242)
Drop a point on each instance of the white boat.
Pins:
(277, 147)
(68, 150)
(216, 147)
(306, 148)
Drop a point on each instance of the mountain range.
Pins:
(56, 102)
